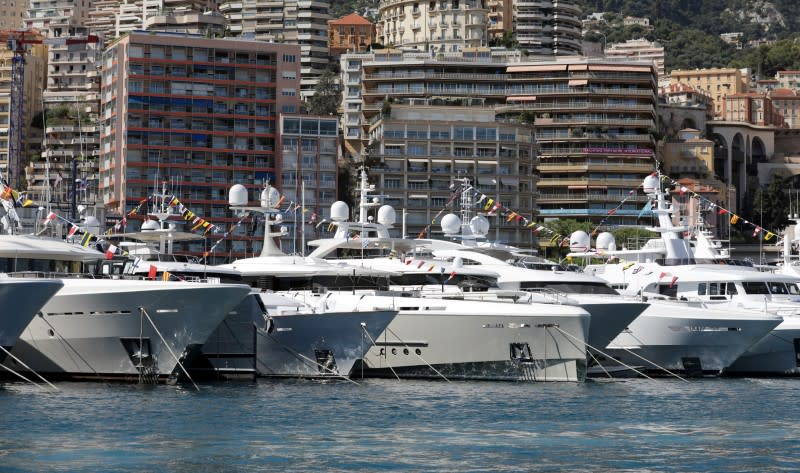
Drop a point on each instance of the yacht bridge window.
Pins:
(571, 287)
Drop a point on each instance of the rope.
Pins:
(27, 367)
(168, 348)
(64, 340)
(313, 363)
(20, 375)
(387, 361)
(599, 364)
(418, 356)
(654, 364)
(604, 354)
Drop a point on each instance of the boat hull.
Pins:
(20, 300)
(688, 340)
(777, 354)
(460, 339)
(107, 329)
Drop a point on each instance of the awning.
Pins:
(576, 188)
(521, 98)
(598, 187)
(486, 180)
(510, 181)
(578, 67)
(543, 68)
(606, 67)
(577, 82)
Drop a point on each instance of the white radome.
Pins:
(387, 215)
(579, 241)
(339, 211)
(450, 224)
(237, 196)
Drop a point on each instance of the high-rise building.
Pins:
(303, 22)
(595, 126)
(638, 50)
(438, 26)
(308, 177)
(13, 14)
(200, 113)
(54, 17)
(501, 20)
(548, 27)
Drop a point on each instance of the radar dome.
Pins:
(451, 224)
(579, 241)
(339, 211)
(149, 225)
(605, 241)
(386, 215)
(92, 224)
(479, 225)
(270, 197)
(237, 195)
(650, 184)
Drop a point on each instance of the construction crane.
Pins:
(17, 42)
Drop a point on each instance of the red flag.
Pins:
(452, 275)
(672, 283)
(430, 268)
(722, 211)
(421, 263)
(152, 273)
(111, 251)
(408, 261)
(661, 276)
(612, 211)
(73, 229)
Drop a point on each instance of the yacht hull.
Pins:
(20, 300)
(688, 340)
(777, 354)
(317, 345)
(460, 339)
(609, 319)
(107, 328)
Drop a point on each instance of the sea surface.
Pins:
(663, 425)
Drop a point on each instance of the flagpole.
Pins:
(303, 219)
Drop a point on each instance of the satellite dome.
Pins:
(92, 224)
(270, 197)
(450, 224)
(339, 211)
(149, 225)
(650, 184)
(479, 225)
(579, 241)
(386, 215)
(237, 195)
(606, 241)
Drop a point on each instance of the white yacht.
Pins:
(21, 300)
(105, 327)
(686, 327)
(470, 268)
(430, 338)
(265, 335)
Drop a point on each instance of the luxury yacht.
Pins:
(102, 326)
(428, 338)
(266, 334)
(703, 316)
(467, 270)
(21, 299)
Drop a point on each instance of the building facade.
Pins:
(308, 177)
(786, 102)
(350, 33)
(752, 108)
(717, 83)
(550, 28)
(638, 50)
(199, 113)
(302, 22)
(595, 123)
(438, 26)
(12, 14)
(501, 18)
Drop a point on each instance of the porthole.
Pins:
(418, 351)
(51, 332)
(394, 351)
(405, 351)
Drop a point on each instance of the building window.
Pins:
(288, 92)
(289, 58)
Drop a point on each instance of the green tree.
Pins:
(327, 96)
(771, 206)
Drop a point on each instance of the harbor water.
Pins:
(726, 425)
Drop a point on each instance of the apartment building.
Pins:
(12, 13)
(350, 33)
(752, 108)
(788, 79)
(550, 28)
(717, 83)
(437, 25)
(639, 50)
(303, 22)
(54, 17)
(594, 131)
(501, 19)
(416, 153)
(200, 113)
(308, 174)
(113, 18)
(786, 102)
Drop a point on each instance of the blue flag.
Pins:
(648, 207)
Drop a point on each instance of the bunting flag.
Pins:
(489, 203)
(111, 251)
(452, 275)
(50, 217)
(627, 266)
(662, 275)
(648, 207)
(734, 219)
(768, 236)
(165, 276)
(421, 264)
(6, 194)
(674, 279)
(756, 231)
(151, 274)
(511, 216)
(86, 239)
(72, 231)
(612, 211)
(409, 261)
(722, 211)
(430, 268)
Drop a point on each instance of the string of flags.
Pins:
(734, 219)
(18, 198)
